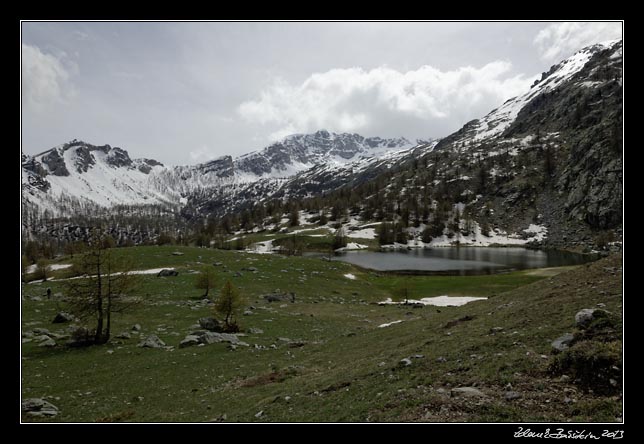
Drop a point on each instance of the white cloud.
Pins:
(45, 79)
(427, 102)
(202, 154)
(560, 40)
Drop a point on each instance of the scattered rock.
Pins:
(247, 312)
(39, 407)
(468, 392)
(584, 317)
(209, 337)
(136, 327)
(62, 317)
(189, 340)
(495, 330)
(41, 338)
(167, 272)
(49, 342)
(218, 264)
(255, 331)
(562, 342)
(177, 253)
(152, 341)
(259, 414)
(441, 359)
(277, 296)
(406, 362)
(509, 396)
(238, 274)
(251, 269)
(41, 331)
(124, 335)
(210, 324)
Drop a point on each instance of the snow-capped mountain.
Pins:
(552, 154)
(497, 121)
(90, 175)
(300, 152)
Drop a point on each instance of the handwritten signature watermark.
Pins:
(568, 434)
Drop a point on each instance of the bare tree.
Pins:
(102, 289)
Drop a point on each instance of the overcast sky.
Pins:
(184, 93)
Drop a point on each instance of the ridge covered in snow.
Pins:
(498, 120)
(86, 175)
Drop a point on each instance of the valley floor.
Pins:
(326, 357)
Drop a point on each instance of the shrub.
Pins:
(593, 366)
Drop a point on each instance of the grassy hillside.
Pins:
(324, 358)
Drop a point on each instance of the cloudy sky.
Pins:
(184, 93)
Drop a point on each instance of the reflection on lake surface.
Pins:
(462, 260)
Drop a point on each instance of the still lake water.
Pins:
(462, 260)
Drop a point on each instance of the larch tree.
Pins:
(104, 287)
(229, 304)
(206, 279)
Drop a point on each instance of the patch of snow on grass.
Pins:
(439, 301)
(352, 246)
(390, 323)
(365, 233)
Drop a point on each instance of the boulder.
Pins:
(584, 317)
(167, 272)
(562, 342)
(189, 341)
(62, 317)
(49, 342)
(210, 324)
(152, 341)
(210, 337)
(467, 392)
(39, 407)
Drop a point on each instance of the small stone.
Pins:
(259, 414)
(47, 343)
(152, 341)
(189, 340)
(404, 362)
(468, 392)
(62, 317)
(562, 342)
(39, 407)
(136, 327)
(511, 395)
